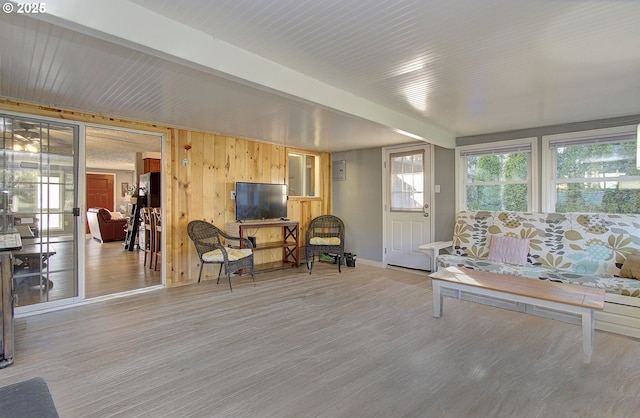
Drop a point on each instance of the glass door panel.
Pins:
(38, 185)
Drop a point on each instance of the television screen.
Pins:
(260, 201)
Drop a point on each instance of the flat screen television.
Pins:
(260, 201)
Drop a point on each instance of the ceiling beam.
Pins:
(136, 27)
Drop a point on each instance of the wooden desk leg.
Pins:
(437, 299)
(6, 293)
(587, 334)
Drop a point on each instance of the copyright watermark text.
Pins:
(24, 8)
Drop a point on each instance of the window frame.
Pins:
(549, 166)
(498, 147)
(413, 153)
(316, 175)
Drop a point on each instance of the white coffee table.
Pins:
(564, 297)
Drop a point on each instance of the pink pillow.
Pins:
(509, 250)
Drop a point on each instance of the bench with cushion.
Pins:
(576, 248)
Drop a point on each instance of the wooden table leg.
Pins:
(587, 334)
(437, 298)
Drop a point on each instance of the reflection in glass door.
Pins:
(37, 199)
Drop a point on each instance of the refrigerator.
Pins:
(150, 189)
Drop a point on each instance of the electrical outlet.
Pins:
(233, 195)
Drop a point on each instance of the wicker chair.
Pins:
(210, 245)
(324, 235)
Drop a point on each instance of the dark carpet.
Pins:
(30, 398)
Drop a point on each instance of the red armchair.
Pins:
(104, 228)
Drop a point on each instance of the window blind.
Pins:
(494, 151)
(592, 140)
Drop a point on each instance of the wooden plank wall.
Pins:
(202, 188)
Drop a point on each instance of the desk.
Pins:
(31, 256)
(29, 262)
(26, 225)
(8, 243)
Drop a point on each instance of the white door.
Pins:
(408, 220)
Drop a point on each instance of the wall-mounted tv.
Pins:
(260, 201)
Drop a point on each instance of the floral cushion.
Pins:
(621, 286)
(579, 248)
(233, 254)
(325, 241)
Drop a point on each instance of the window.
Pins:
(304, 174)
(592, 171)
(497, 176)
(407, 181)
(49, 202)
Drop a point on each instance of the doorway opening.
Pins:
(115, 260)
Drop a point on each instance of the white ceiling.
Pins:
(330, 75)
(112, 149)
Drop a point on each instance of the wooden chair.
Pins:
(149, 235)
(157, 239)
(324, 235)
(210, 245)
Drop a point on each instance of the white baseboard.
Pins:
(369, 262)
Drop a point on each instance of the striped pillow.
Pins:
(509, 250)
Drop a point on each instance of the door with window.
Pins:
(38, 200)
(408, 217)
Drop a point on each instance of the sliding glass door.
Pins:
(38, 199)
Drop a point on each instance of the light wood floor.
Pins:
(109, 269)
(362, 343)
